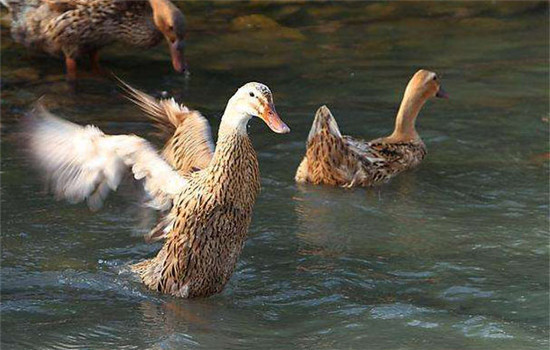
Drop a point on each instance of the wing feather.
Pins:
(83, 163)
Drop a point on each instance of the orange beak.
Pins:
(272, 119)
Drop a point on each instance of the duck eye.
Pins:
(251, 94)
(435, 77)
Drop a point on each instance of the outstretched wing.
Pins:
(82, 163)
(189, 146)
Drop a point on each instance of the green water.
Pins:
(453, 255)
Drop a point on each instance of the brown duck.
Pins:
(333, 159)
(77, 28)
(207, 194)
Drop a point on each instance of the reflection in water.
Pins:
(320, 224)
(173, 316)
(452, 255)
(325, 215)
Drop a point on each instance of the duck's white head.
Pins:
(253, 100)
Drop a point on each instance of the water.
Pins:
(453, 255)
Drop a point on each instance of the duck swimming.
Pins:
(337, 160)
(207, 194)
(77, 28)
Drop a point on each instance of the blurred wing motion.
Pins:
(82, 163)
(190, 146)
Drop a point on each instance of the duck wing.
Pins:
(363, 149)
(190, 146)
(82, 163)
(400, 155)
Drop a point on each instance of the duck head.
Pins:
(171, 23)
(426, 84)
(253, 100)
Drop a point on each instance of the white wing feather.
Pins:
(82, 163)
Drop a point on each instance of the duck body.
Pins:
(74, 28)
(206, 195)
(337, 160)
(209, 223)
(80, 27)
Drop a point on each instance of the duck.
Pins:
(337, 160)
(76, 28)
(205, 193)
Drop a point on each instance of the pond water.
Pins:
(453, 255)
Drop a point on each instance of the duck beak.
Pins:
(272, 119)
(441, 93)
(178, 60)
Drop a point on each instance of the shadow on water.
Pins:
(451, 255)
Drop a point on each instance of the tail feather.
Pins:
(190, 146)
(324, 121)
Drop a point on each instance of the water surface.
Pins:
(453, 255)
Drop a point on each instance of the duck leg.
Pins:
(70, 63)
(94, 59)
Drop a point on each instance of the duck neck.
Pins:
(232, 154)
(405, 121)
(234, 166)
(234, 121)
(159, 6)
(233, 141)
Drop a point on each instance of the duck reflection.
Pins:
(321, 214)
(176, 316)
(374, 223)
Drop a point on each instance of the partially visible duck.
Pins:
(337, 160)
(77, 28)
(209, 194)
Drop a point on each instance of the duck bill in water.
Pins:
(272, 119)
(176, 52)
(441, 93)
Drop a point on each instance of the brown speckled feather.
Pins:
(401, 155)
